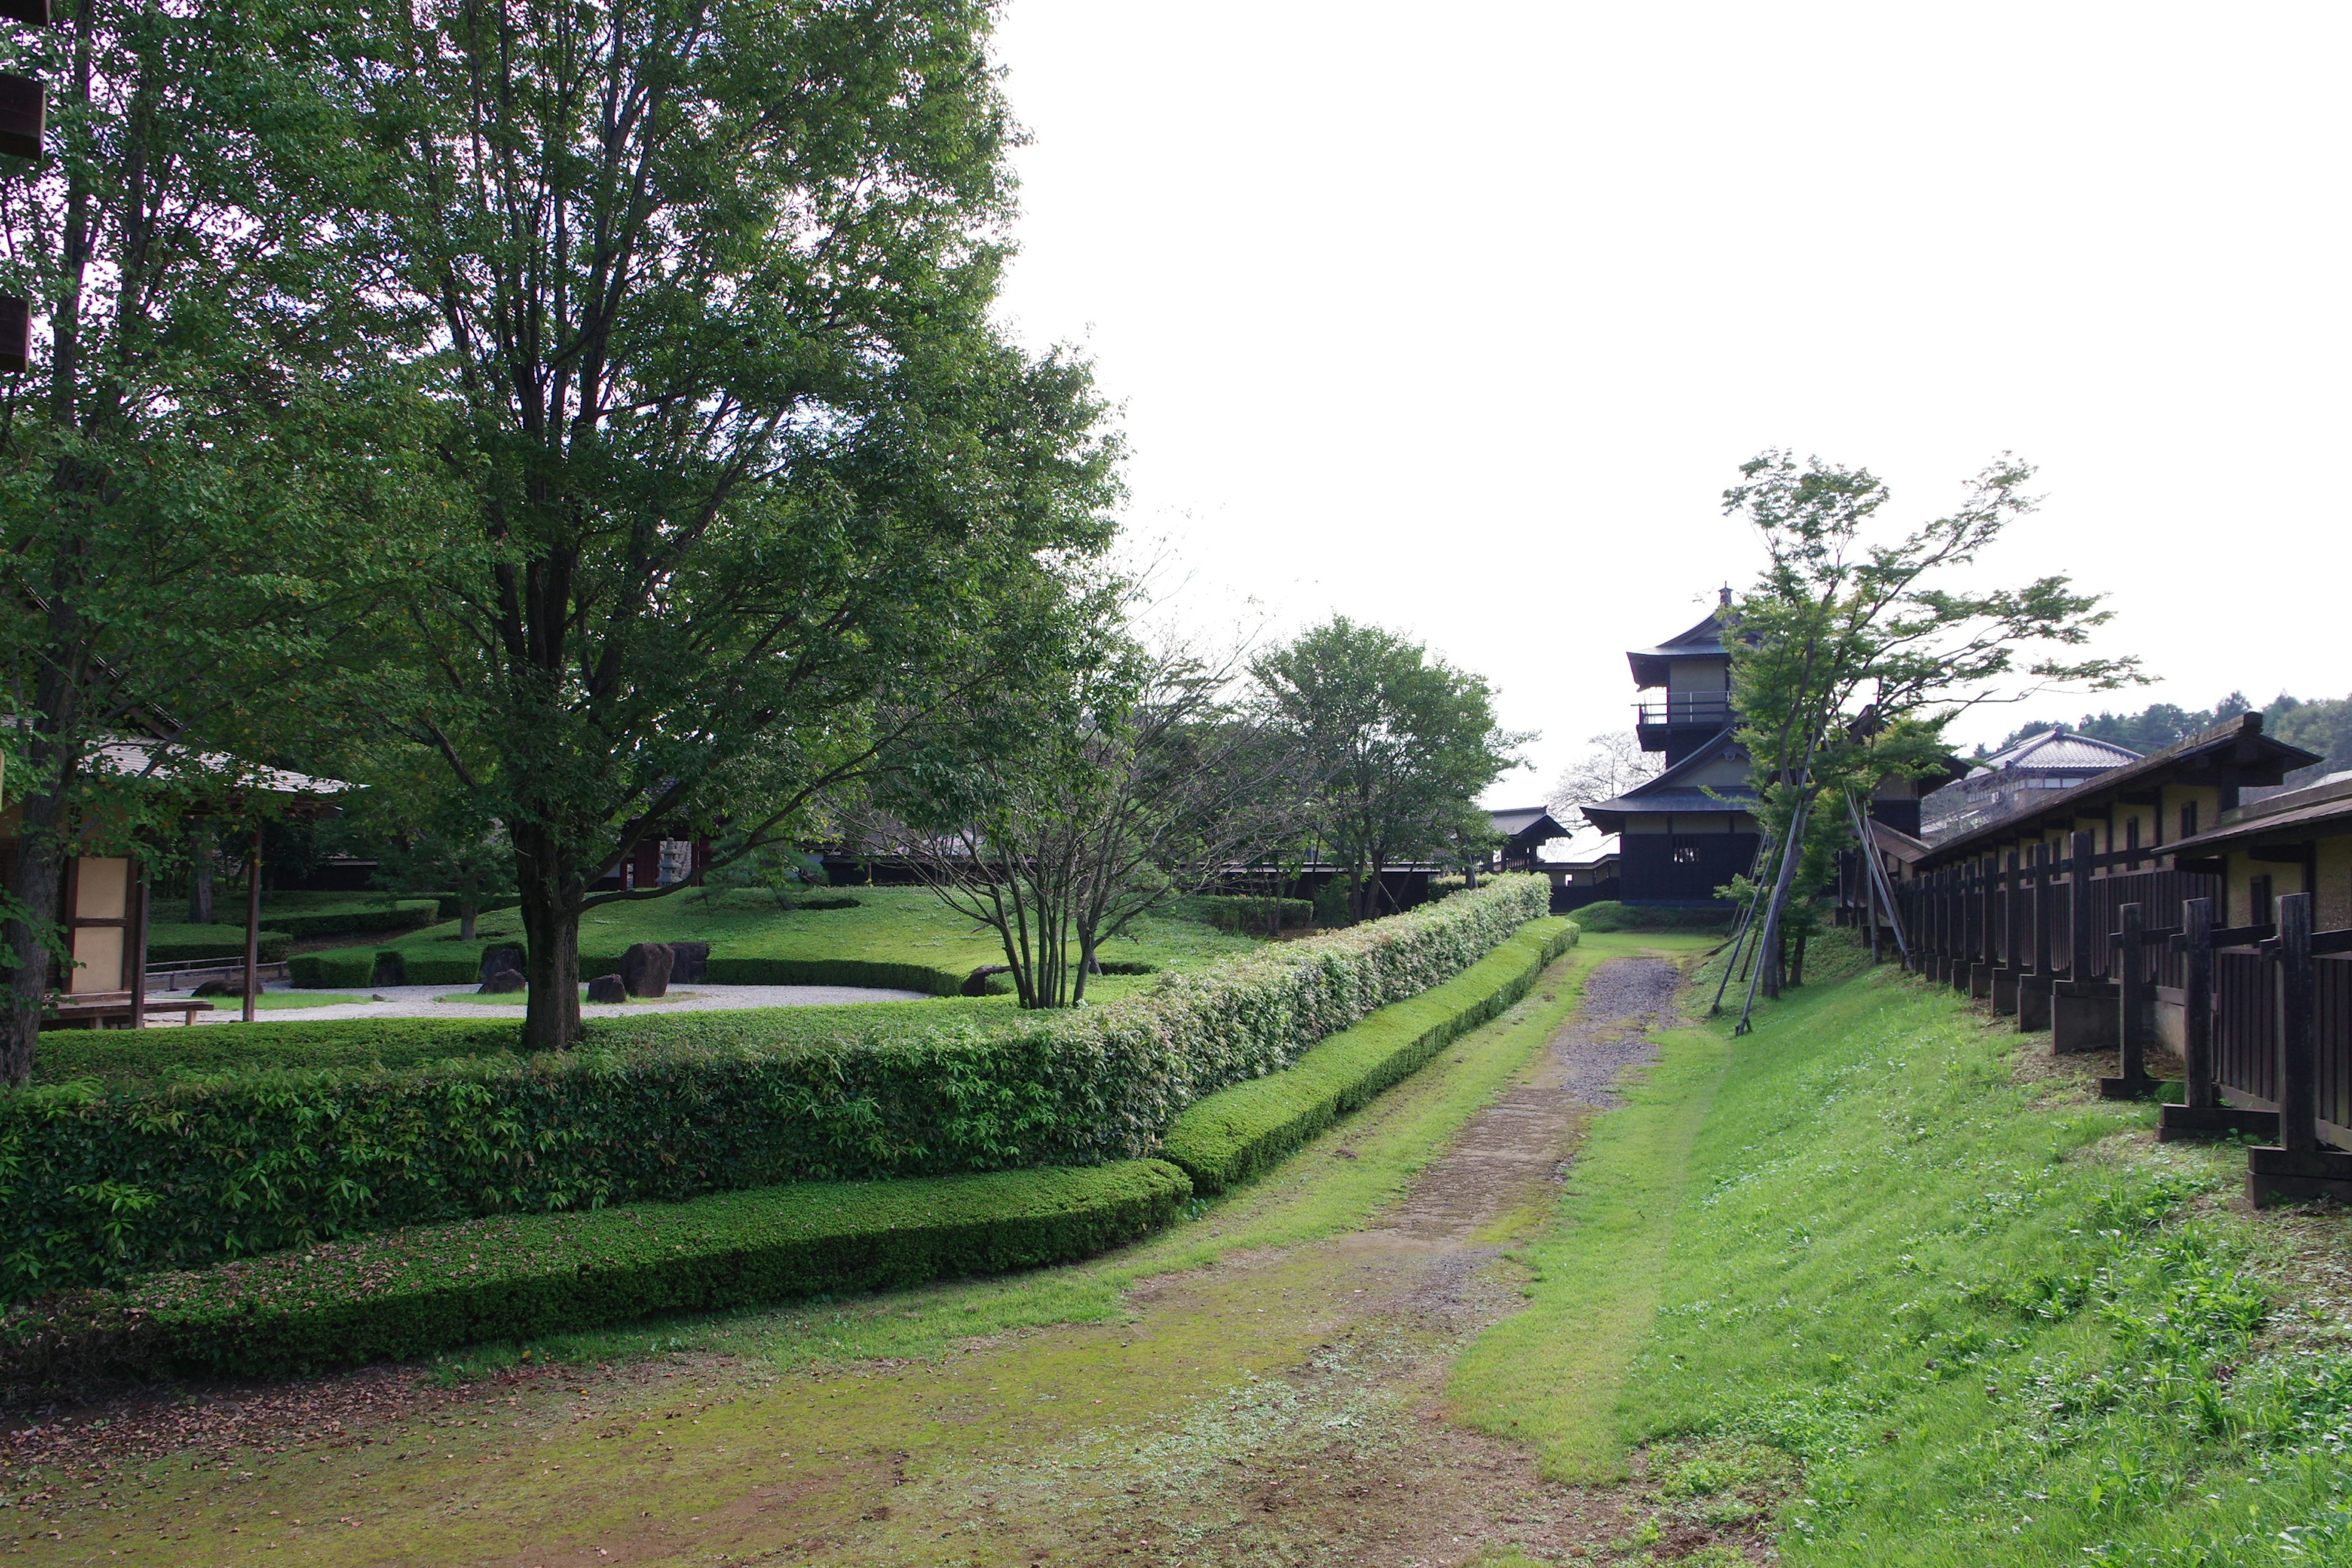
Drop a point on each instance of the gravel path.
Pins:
(422, 1001)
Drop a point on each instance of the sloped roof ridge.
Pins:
(1699, 756)
(2245, 726)
(2054, 736)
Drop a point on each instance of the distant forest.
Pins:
(2323, 726)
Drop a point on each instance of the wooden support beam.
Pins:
(253, 931)
(2078, 961)
(2298, 1067)
(2136, 1007)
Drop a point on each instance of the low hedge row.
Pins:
(1235, 1133)
(341, 971)
(1610, 915)
(100, 1186)
(411, 1292)
(150, 1057)
(1252, 911)
(175, 943)
(358, 914)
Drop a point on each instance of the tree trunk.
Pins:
(34, 877)
(466, 915)
(1797, 968)
(200, 873)
(552, 891)
(1768, 949)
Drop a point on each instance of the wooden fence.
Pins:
(2264, 1013)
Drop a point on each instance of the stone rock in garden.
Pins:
(504, 982)
(644, 969)
(689, 962)
(607, 988)
(500, 960)
(219, 988)
(976, 983)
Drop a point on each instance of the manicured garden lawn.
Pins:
(889, 925)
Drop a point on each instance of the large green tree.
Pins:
(192, 521)
(1853, 651)
(747, 493)
(1401, 745)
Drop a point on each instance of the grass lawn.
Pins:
(900, 925)
(1886, 1270)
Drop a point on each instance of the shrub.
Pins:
(98, 1185)
(170, 943)
(1253, 912)
(356, 914)
(446, 904)
(410, 1292)
(1610, 915)
(1237, 1133)
(340, 971)
(148, 1056)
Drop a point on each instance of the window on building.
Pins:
(2131, 834)
(1686, 854)
(2189, 820)
(2258, 897)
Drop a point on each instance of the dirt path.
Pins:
(1280, 1406)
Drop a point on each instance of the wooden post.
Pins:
(2298, 1070)
(1988, 947)
(135, 950)
(2196, 1045)
(2045, 909)
(2133, 1010)
(2078, 964)
(2013, 912)
(253, 929)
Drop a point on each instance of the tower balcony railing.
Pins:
(1684, 708)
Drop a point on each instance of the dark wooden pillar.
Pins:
(134, 955)
(2197, 1035)
(2135, 1008)
(2298, 1078)
(2045, 910)
(253, 931)
(2078, 962)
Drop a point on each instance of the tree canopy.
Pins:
(1401, 745)
(742, 488)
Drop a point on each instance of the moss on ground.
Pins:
(1081, 1412)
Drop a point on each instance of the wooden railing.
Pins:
(2266, 1011)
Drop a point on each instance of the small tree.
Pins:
(1139, 783)
(1612, 763)
(1402, 744)
(1850, 656)
(456, 851)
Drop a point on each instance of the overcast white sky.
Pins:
(1460, 318)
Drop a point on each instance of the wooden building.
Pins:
(2013, 779)
(1690, 830)
(1524, 830)
(102, 900)
(2071, 862)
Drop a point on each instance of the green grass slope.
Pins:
(1968, 1315)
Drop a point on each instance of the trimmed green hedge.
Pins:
(148, 1058)
(1237, 1133)
(341, 971)
(446, 904)
(98, 1186)
(411, 1292)
(1253, 912)
(1610, 915)
(170, 943)
(357, 915)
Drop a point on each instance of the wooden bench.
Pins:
(107, 1010)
